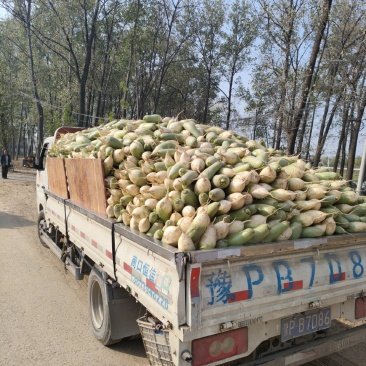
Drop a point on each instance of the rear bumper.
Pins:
(311, 351)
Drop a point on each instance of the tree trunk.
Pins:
(355, 130)
(308, 78)
(34, 80)
(342, 137)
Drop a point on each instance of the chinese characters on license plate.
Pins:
(306, 323)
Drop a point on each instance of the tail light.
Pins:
(360, 308)
(219, 346)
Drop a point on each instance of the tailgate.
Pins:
(261, 289)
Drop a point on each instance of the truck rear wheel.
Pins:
(41, 227)
(98, 309)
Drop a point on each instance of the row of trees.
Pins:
(295, 67)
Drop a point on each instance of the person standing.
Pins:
(5, 164)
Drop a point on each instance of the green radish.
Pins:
(309, 177)
(189, 198)
(190, 126)
(172, 136)
(198, 226)
(286, 206)
(255, 220)
(188, 178)
(258, 191)
(331, 210)
(342, 221)
(158, 234)
(178, 204)
(153, 118)
(174, 170)
(286, 235)
(137, 177)
(216, 194)
(266, 210)
(252, 208)
(208, 239)
(351, 217)
(315, 231)
(318, 216)
(278, 215)
(359, 210)
(242, 168)
(222, 181)
(356, 227)
(295, 184)
(255, 163)
(260, 232)
(344, 208)
(242, 214)
(211, 170)
(171, 235)
(212, 209)
(349, 197)
(159, 166)
(327, 175)
(291, 171)
(282, 195)
(328, 200)
(164, 209)
(276, 231)
(203, 198)
(240, 238)
(340, 230)
(296, 230)
(191, 141)
(163, 152)
(111, 141)
(153, 217)
(136, 149)
(304, 219)
(211, 160)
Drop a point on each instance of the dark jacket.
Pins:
(3, 160)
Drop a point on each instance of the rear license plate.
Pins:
(306, 323)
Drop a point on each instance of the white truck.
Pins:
(272, 304)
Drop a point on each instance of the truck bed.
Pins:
(208, 291)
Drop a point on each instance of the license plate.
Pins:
(306, 323)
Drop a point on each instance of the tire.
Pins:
(41, 224)
(98, 309)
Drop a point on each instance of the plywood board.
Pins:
(57, 177)
(85, 178)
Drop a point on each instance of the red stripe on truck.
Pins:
(127, 268)
(94, 243)
(108, 254)
(296, 285)
(195, 279)
(151, 285)
(238, 296)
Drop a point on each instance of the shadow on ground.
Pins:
(133, 347)
(8, 221)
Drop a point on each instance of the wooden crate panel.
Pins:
(85, 178)
(57, 182)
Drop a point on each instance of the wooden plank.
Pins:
(86, 184)
(56, 173)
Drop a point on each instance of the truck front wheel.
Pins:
(99, 310)
(41, 228)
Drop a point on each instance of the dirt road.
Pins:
(43, 310)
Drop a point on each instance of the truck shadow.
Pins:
(8, 221)
(134, 347)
